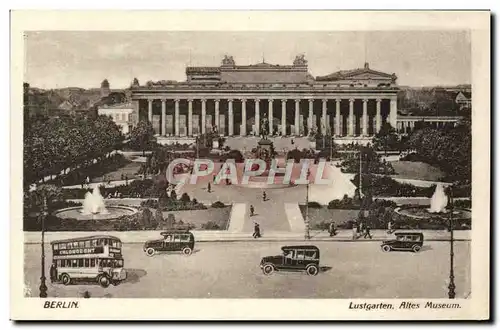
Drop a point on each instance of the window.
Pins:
(311, 254)
(62, 246)
(87, 244)
(300, 254)
(92, 262)
(74, 263)
(185, 238)
(80, 262)
(87, 263)
(288, 254)
(177, 238)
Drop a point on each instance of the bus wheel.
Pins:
(150, 252)
(66, 280)
(103, 281)
(187, 251)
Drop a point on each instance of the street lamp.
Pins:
(451, 286)
(307, 234)
(43, 215)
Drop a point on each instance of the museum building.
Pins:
(237, 100)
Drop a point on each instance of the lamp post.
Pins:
(307, 234)
(451, 286)
(43, 286)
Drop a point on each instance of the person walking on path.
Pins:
(332, 230)
(209, 187)
(252, 210)
(256, 230)
(53, 273)
(264, 196)
(367, 232)
(354, 231)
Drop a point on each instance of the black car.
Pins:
(293, 258)
(405, 241)
(175, 240)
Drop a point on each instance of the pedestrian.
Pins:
(354, 231)
(293, 141)
(256, 230)
(264, 196)
(389, 227)
(331, 229)
(361, 227)
(53, 272)
(367, 232)
(209, 188)
(126, 179)
(252, 210)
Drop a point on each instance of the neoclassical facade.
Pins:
(237, 100)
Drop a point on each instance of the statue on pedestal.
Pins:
(263, 127)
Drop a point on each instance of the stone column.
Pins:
(135, 118)
(203, 116)
(283, 117)
(190, 117)
(270, 116)
(177, 118)
(230, 117)
(365, 117)
(351, 117)
(310, 118)
(163, 117)
(393, 116)
(337, 117)
(323, 117)
(150, 110)
(216, 119)
(257, 117)
(297, 117)
(243, 130)
(378, 117)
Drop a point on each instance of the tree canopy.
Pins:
(142, 136)
(54, 144)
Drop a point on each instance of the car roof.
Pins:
(401, 233)
(299, 247)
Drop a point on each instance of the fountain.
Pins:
(439, 200)
(94, 203)
(438, 208)
(94, 208)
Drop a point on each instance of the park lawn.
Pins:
(318, 215)
(130, 170)
(416, 171)
(220, 216)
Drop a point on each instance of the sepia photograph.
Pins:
(286, 165)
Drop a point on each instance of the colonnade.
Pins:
(229, 113)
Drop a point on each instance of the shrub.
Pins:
(210, 225)
(314, 205)
(218, 205)
(463, 204)
(185, 198)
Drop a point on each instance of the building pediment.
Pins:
(359, 74)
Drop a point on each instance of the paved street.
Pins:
(231, 270)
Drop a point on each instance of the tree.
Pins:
(386, 138)
(142, 136)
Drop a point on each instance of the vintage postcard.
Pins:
(250, 165)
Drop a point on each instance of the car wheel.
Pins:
(150, 252)
(386, 248)
(268, 269)
(66, 280)
(312, 270)
(187, 251)
(103, 281)
(415, 248)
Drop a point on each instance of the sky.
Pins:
(58, 59)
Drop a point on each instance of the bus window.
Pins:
(92, 262)
(74, 263)
(81, 244)
(87, 243)
(87, 263)
(55, 246)
(80, 262)
(62, 246)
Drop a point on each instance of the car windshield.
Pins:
(288, 254)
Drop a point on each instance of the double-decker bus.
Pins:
(92, 258)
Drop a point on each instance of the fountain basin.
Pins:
(113, 212)
(422, 212)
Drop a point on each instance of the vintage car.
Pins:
(405, 241)
(293, 258)
(174, 240)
